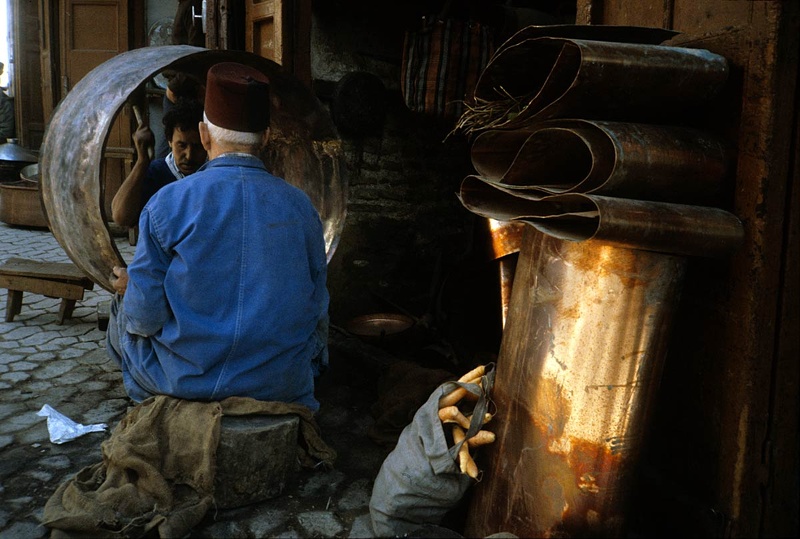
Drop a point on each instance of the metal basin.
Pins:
(380, 327)
(305, 149)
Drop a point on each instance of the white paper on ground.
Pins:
(63, 429)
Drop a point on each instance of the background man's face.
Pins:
(188, 151)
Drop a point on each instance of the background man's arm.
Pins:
(127, 203)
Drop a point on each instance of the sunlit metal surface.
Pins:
(305, 149)
(508, 266)
(578, 369)
(506, 239)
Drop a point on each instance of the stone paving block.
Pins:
(25, 530)
(267, 521)
(256, 458)
(357, 495)
(320, 523)
(361, 528)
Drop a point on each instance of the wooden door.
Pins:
(27, 89)
(91, 32)
(281, 31)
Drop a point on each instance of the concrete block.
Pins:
(256, 458)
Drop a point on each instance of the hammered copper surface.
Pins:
(305, 148)
(577, 371)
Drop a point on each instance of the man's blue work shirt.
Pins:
(227, 289)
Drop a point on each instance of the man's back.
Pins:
(242, 258)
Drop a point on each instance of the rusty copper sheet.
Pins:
(505, 236)
(506, 240)
(637, 224)
(577, 373)
(305, 149)
(629, 160)
(550, 77)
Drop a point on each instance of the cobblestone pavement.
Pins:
(66, 366)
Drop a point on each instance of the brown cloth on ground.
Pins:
(158, 467)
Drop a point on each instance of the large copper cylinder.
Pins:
(304, 148)
(579, 365)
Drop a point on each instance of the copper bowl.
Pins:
(380, 327)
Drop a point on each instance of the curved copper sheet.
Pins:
(548, 77)
(577, 373)
(305, 148)
(494, 74)
(638, 224)
(629, 160)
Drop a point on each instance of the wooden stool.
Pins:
(51, 279)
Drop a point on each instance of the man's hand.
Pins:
(119, 280)
(144, 140)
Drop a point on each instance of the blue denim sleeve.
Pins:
(145, 307)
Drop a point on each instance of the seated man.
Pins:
(180, 85)
(146, 176)
(226, 294)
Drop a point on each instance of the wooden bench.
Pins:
(51, 279)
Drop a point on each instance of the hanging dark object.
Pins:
(359, 104)
(442, 61)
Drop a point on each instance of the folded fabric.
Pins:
(158, 468)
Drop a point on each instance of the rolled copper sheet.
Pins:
(637, 224)
(304, 149)
(579, 365)
(629, 160)
(551, 77)
(487, 82)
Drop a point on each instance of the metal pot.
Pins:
(13, 158)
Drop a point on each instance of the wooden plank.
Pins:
(53, 271)
(53, 289)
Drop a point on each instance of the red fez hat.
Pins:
(237, 97)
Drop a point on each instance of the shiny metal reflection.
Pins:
(578, 369)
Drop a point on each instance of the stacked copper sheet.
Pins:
(590, 139)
